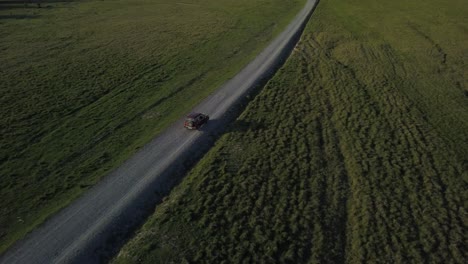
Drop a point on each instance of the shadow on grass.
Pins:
(29, 4)
(18, 16)
(244, 126)
(19, 6)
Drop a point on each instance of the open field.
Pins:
(355, 152)
(85, 84)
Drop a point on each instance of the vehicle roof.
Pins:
(193, 115)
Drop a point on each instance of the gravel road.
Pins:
(92, 227)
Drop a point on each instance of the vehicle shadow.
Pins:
(211, 126)
(237, 126)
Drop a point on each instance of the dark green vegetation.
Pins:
(84, 84)
(355, 152)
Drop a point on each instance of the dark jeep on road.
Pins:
(195, 120)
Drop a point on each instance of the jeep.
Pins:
(195, 120)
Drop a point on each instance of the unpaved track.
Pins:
(83, 231)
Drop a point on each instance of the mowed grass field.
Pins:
(355, 152)
(84, 84)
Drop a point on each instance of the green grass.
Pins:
(84, 84)
(354, 152)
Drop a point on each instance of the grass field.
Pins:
(355, 152)
(84, 84)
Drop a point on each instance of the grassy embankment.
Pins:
(355, 152)
(84, 84)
